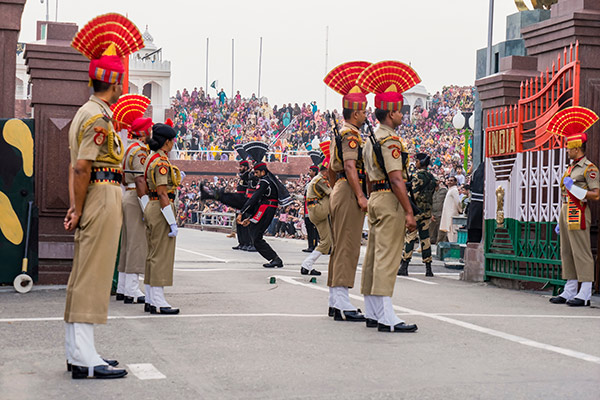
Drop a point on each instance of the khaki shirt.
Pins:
(318, 187)
(391, 148)
(134, 159)
(351, 143)
(92, 135)
(584, 174)
(161, 172)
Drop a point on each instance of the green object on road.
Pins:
(313, 280)
(272, 280)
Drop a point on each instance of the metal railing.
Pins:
(212, 219)
(224, 155)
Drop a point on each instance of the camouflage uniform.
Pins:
(423, 184)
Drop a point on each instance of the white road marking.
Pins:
(520, 315)
(417, 280)
(145, 371)
(150, 316)
(202, 255)
(467, 325)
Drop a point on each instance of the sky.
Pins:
(438, 38)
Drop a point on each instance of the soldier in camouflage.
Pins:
(423, 184)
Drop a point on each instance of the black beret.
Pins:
(163, 130)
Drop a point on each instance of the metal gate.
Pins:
(524, 165)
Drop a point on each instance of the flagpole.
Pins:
(259, 66)
(326, 57)
(488, 64)
(232, 65)
(206, 87)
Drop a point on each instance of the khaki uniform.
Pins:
(318, 193)
(92, 137)
(386, 218)
(134, 247)
(575, 244)
(161, 248)
(346, 216)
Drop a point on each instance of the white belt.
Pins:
(131, 186)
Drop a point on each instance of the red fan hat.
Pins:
(128, 112)
(325, 146)
(106, 40)
(572, 122)
(342, 79)
(388, 80)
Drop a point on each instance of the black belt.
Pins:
(154, 195)
(270, 201)
(342, 175)
(106, 175)
(379, 186)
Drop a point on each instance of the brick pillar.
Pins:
(59, 76)
(10, 25)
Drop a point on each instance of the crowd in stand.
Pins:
(209, 127)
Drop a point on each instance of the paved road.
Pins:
(240, 337)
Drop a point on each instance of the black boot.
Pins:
(403, 271)
(275, 263)
(206, 194)
(428, 271)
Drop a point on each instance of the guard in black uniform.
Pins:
(235, 200)
(260, 209)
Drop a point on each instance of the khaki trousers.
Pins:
(161, 248)
(319, 216)
(96, 244)
(384, 249)
(134, 247)
(346, 228)
(576, 249)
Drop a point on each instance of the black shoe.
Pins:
(164, 310)
(275, 263)
(428, 271)
(133, 300)
(147, 307)
(112, 363)
(371, 323)
(100, 372)
(403, 271)
(308, 250)
(238, 247)
(305, 271)
(331, 312)
(351, 316)
(120, 297)
(251, 249)
(575, 302)
(558, 300)
(401, 327)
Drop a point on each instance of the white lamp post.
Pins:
(464, 120)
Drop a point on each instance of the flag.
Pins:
(214, 85)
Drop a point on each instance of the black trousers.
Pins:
(243, 235)
(312, 234)
(234, 200)
(258, 230)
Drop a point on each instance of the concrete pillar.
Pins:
(59, 76)
(10, 25)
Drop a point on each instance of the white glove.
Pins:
(578, 192)
(174, 230)
(144, 200)
(167, 212)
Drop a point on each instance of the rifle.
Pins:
(381, 162)
(336, 135)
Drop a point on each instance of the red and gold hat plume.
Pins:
(129, 108)
(342, 79)
(325, 146)
(572, 122)
(388, 80)
(106, 40)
